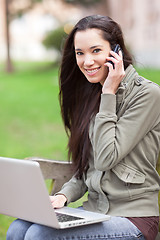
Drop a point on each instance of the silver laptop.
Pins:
(23, 194)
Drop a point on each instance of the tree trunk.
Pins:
(9, 66)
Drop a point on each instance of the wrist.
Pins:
(108, 91)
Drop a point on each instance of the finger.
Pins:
(58, 201)
(112, 59)
(118, 55)
(57, 204)
(109, 65)
(52, 198)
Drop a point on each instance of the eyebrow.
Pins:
(78, 49)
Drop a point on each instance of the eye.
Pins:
(79, 53)
(96, 50)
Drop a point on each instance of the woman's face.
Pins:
(91, 51)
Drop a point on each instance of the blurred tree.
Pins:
(90, 3)
(83, 2)
(9, 67)
(12, 10)
(54, 39)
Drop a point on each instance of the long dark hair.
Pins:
(79, 99)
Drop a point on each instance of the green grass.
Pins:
(30, 120)
(151, 74)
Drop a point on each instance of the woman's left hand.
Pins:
(58, 201)
(115, 74)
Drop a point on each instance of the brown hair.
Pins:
(79, 99)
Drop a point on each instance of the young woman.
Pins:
(112, 118)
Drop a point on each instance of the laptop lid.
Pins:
(24, 195)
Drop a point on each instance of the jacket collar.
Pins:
(127, 81)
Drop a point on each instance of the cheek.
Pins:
(101, 59)
(79, 62)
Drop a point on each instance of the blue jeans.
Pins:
(116, 228)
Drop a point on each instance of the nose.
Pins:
(88, 60)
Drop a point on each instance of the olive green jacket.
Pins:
(125, 135)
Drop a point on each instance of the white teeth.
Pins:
(92, 71)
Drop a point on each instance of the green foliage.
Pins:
(54, 39)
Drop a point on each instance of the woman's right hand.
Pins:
(58, 201)
(115, 74)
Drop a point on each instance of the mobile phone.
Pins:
(116, 49)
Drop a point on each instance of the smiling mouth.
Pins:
(92, 71)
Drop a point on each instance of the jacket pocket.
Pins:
(128, 174)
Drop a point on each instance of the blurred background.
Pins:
(31, 22)
(32, 33)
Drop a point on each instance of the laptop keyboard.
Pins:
(66, 218)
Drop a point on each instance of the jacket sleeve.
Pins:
(73, 189)
(113, 139)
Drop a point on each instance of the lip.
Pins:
(92, 71)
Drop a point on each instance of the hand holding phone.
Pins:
(115, 73)
(116, 50)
